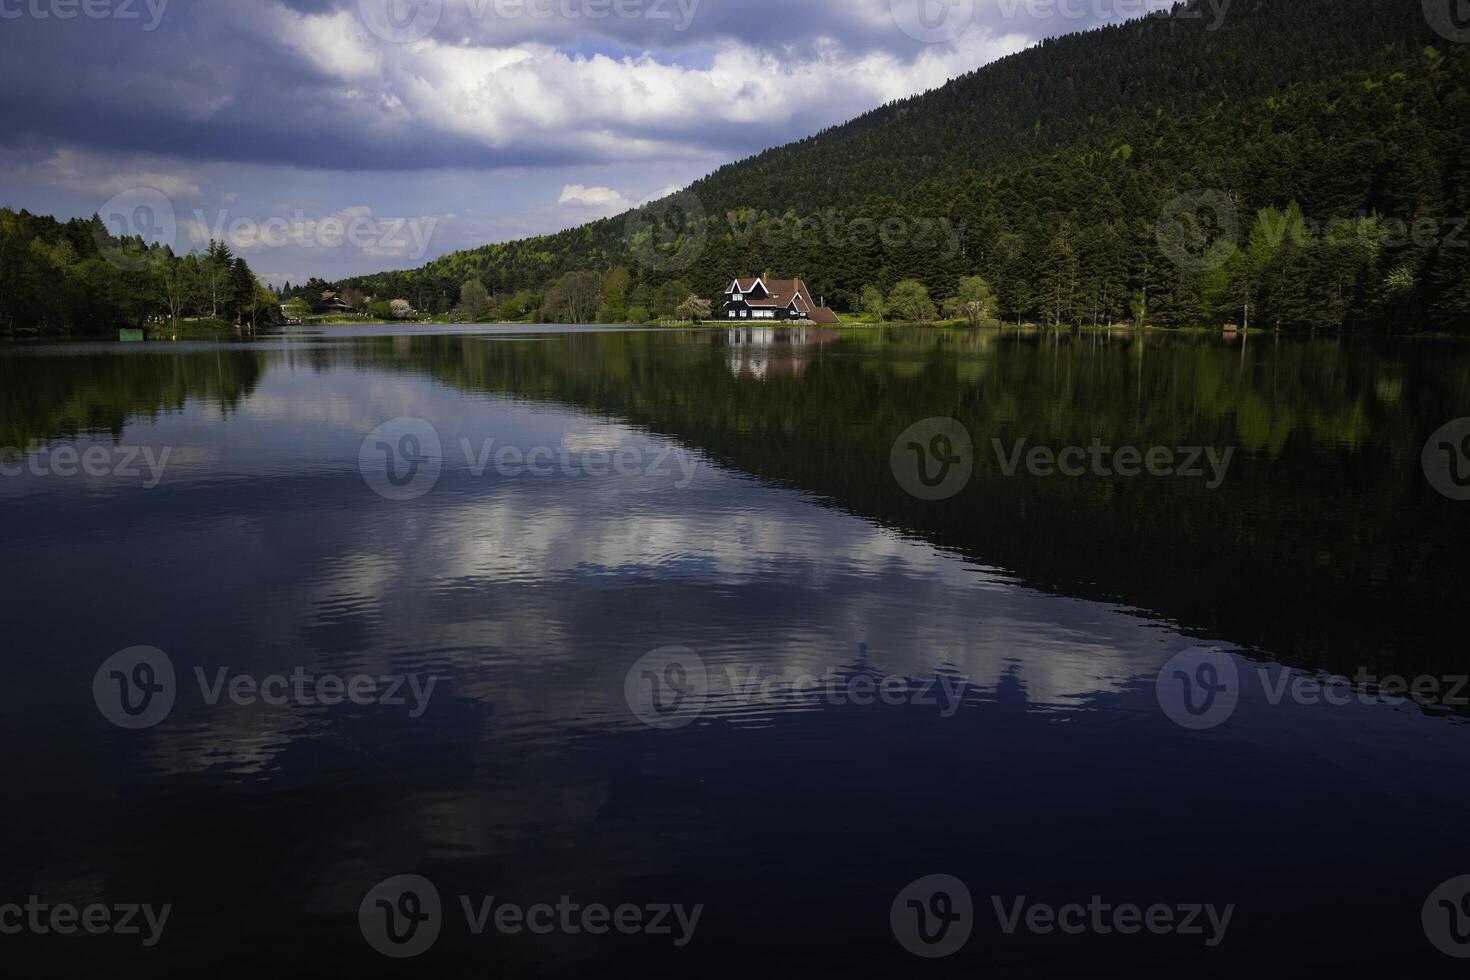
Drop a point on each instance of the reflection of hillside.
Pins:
(67, 395)
(1324, 515)
(1323, 511)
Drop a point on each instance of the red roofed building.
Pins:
(774, 299)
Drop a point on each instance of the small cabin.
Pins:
(780, 300)
(332, 303)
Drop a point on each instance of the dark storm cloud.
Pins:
(216, 80)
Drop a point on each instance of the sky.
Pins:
(341, 137)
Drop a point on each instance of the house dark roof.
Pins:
(783, 293)
(330, 302)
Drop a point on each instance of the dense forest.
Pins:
(1299, 164)
(78, 278)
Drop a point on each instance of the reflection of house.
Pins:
(332, 303)
(774, 352)
(774, 299)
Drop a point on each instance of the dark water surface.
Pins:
(864, 688)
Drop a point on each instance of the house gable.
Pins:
(776, 299)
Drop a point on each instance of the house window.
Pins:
(745, 314)
(738, 297)
(732, 314)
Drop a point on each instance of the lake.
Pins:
(546, 651)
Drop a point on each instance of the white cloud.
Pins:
(240, 100)
(92, 175)
(536, 98)
(603, 199)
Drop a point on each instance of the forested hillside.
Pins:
(76, 277)
(1304, 166)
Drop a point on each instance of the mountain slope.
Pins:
(1081, 87)
(1052, 174)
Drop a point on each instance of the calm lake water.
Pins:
(646, 619)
